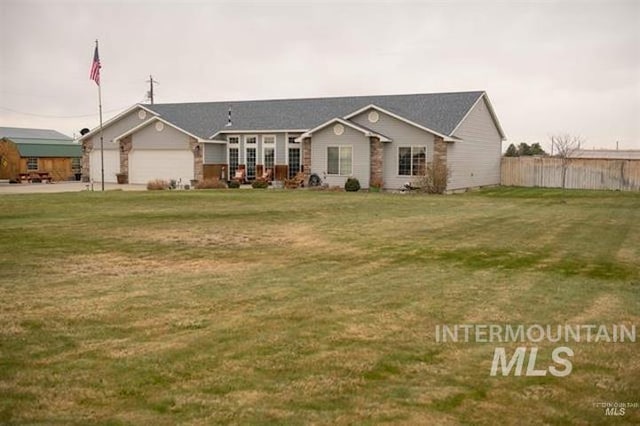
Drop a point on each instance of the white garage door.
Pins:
(146, 165)
(111, 165)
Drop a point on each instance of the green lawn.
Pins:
(301, 307)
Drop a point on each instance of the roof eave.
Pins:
(398, 117)
(114, 119)
(366, 132)
(149, 121)
(491, 111)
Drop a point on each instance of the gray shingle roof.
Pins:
(440, 112)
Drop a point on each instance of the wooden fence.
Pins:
(582, 173)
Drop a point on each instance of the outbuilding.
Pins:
(32, 152)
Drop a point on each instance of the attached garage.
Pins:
(111, 165)
(150, 164)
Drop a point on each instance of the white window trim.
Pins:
(246, 165)
(339, 168)
(275, 148)
(426, 158)
(290, 145)
(229, 147)
(251, 136)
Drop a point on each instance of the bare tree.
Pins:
(564, 146)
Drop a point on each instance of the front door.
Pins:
(294, 162)
(251, 163)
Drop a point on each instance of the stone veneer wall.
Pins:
(125, 148)
(306, 157)
(87, 147)
(198, 159)
(439, 150)
(375, 174)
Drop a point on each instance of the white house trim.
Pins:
(340, 172)
(491, 111)
(116, 118)
(229, 148)
(354, 126)
(289, 145)
(373, 106)
(252, 131)
(149, 121)
(273, 145)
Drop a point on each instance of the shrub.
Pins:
(173, 184)
(352, 185)
(260, 184)
(213, 183)
(434, 180)
(234, 184)
(157, 184)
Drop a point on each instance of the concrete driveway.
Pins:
(37, 188)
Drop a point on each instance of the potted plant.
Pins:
(122, 178)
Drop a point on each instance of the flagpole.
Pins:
(101, 135)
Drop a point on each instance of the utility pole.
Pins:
(151, 82)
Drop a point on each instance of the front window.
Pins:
(32, 163)
(233, 161)
(268, 151)
(269, 157)
(294, 162)
(76, 166)
(252, 140)
(234, 140)
(412, 160)
(339, 160)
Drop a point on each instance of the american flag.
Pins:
(95, 67)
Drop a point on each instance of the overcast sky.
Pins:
(548, 66)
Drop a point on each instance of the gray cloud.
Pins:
(569, 66)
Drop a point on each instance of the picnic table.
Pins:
(35, 176)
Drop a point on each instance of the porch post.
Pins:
(87, 147)
(376, 167)
(306, 158)
(439, 151)
(125, 147)
(198, 161)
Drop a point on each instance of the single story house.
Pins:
(24, 151)
(386, 139)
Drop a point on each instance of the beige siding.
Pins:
(402, 134)
(581, 173)
(475, 160)
(117, 128)
(169, 138)
(360, 154)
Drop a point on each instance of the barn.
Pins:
(30, 152)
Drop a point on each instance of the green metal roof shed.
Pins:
(41, 142)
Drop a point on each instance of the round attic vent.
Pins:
(338, 129)
(159, 126)
(373, 117)
(142, 114)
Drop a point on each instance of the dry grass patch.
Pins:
(254, 307)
